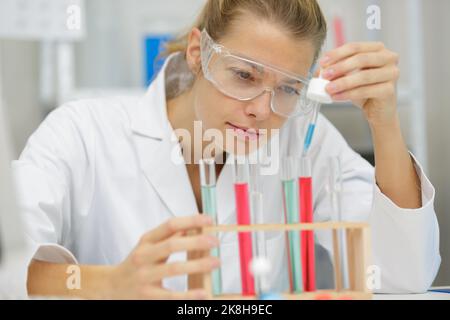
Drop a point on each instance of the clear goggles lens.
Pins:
(245, 80)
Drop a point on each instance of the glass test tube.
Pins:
(262, 284)
(291, 211)
(208, 191)
(335, 190)
(306, 216)
(241, 189)
(257, 216)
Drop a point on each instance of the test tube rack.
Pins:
(358, 255)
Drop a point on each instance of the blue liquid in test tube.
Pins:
(291, 208)
(209, 204)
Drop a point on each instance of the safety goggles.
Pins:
(243, 79)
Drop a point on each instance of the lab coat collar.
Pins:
(163, 165)
(160, 156)
(149, 118)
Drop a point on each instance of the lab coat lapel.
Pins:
(159, 152)
(169, 179)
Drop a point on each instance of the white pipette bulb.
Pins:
(317, 92)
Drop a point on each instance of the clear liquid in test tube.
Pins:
(335, 189)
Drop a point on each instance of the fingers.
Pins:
(381, 90)
(174, 269)
(161, 294)
(363, 78)
(360, 71)
(176, 225)
(202, 242)
(349, 50)
(151, 253)
(360, 62)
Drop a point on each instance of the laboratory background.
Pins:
(54, 51)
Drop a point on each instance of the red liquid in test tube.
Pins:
(306, 216)
(241, 190)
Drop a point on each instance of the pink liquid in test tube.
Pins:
(241, 190)
(306, 216)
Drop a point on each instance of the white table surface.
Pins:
(424, 296)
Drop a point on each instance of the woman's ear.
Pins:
(193, 51)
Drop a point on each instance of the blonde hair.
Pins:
(303, 19)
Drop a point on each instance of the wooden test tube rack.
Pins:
(358, 255)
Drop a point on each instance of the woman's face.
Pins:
(252, 121)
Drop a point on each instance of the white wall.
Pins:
(111, 56)
(437, 81)
(19, 71)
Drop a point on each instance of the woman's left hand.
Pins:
(365, 73)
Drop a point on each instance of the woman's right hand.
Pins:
(140, 275)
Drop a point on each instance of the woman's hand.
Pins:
(140, 275)
(365, 73)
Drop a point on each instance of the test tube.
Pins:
(335, 190)
(209, 204)
(306, 216)
(291, 212)
(241, 189)
(311, 127)
(261, 251)
(257, 216)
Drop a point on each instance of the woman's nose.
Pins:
(259, 108)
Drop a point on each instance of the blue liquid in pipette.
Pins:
(309, 137)
(210, 208)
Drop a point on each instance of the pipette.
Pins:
(292, 216)
(317, 95)
(241, 190)
(311, 128)
(209, 204)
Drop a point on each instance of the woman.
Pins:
(101, 188)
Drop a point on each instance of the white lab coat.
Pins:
(97, 175)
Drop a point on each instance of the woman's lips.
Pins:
(245, 133)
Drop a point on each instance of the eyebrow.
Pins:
(261, 69)
(292, 81)
(258, 68)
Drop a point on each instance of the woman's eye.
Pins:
(290, 90)
(243, 75)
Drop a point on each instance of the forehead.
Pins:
(270, 44)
